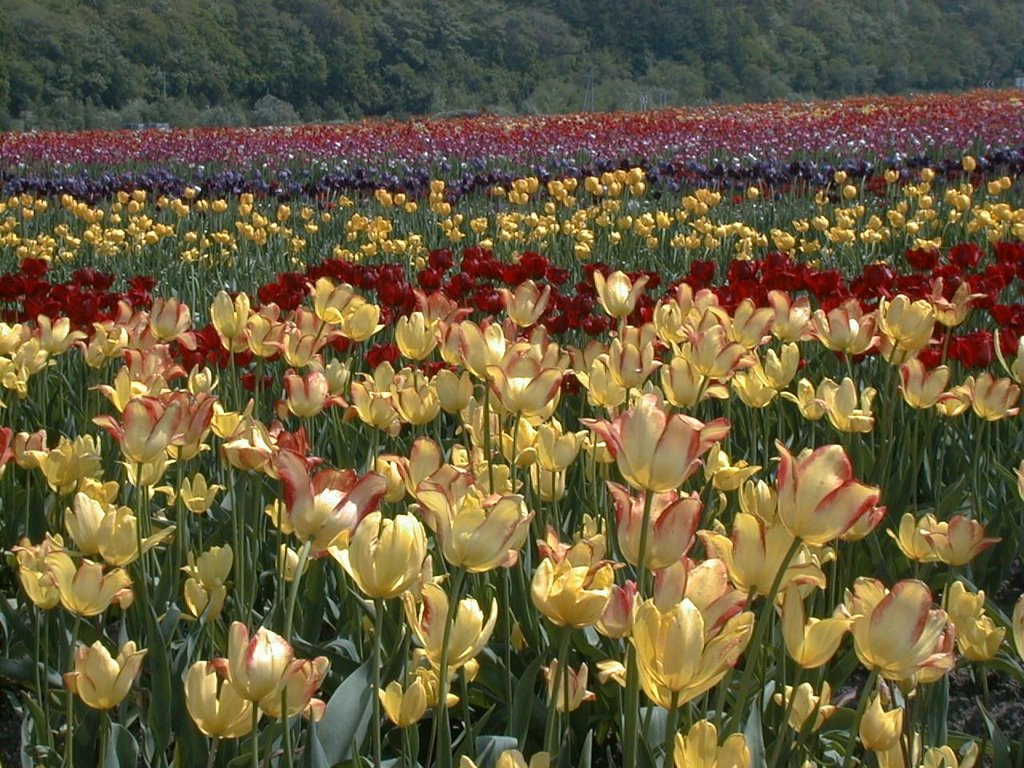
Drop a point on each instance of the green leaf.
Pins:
(586, 753)
(347, 716)
(754, 733)
(1000, 744)
(489, 747)
(523, 701)
(313, 755)
(122, 748)
(158, 714)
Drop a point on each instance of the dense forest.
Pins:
(107, 63)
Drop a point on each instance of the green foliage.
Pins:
(95, 63)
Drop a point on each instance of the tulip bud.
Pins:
(214, 705)
(880, 730)
(87, 590)
(404, 708)
(527, 304)
(805, 705)
(255, 664)
(617, 294)
(100, 681)
(699, 748)
(384, 556)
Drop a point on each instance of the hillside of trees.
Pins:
(75, 64)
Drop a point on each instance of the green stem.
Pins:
(862, 706)
(551, 732)
(440, 733)
(631, 720)
(760, 627)
(378, 631)
(294, 593)
(671, 726)
(255, 760)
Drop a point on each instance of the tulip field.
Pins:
(685, 438)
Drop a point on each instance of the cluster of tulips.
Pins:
(490, 543)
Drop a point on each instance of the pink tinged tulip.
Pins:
(617, 620)
(819, 500)
(255, 664)
(899, 632)
(673, 523)
(300, 681)
(656, 451)
(147, 428)
(332, 502)
(959, 541)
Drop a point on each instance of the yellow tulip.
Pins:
(146, 429)
(618, 294)
(100, 680)
(526, 305)
(118, 537)
(842, 407)
(330, 301)
(229, 317)
(572, 595)
(255, 664)
(846, 328)
(415, 337)
(921, 388)
(556, 449)
(656, 451)
(87, 590)
(713, 354)
(906, 326)
(631, 359)
(879, 729)
(323, 506)
(818, 498)
(68, 463)
(205, 587)
(898, 631)
(991, 398)
(197, 495)
(522, 386)
(810, 642)
(809, 400)
(474, 532)
(792, 320)
(35, 578)
(977, 636)
(755, 551)
(428, 619)
(806, 704)
(360, 321)
(454, 391)
(677, 658)
(385, 556)
(214, 705)
(404, 707)
(699, 748)
(82, 522)
(911, 540)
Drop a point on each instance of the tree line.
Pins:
(76, 64)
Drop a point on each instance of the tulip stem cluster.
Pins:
(760, 627)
